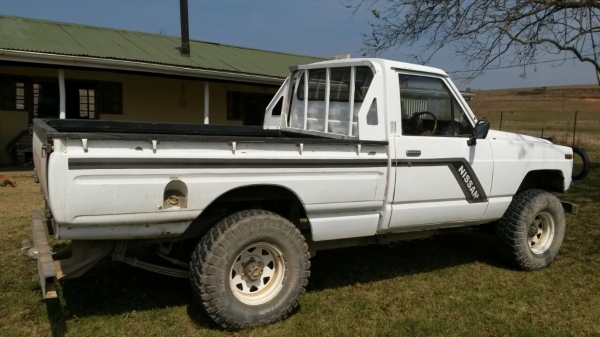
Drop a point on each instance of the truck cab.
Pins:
(439, 174)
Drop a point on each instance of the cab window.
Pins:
(428, 108)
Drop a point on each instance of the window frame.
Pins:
(11, 105)
(87, 104)
(451, 90)
(99, 93)
(230, 96)
(21, 98)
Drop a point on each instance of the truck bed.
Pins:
(126, 130)
(110, 180)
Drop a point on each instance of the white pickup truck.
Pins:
(352, 152)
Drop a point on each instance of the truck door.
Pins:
(440, 179)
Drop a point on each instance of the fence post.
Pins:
(501, 115)
(574, 128)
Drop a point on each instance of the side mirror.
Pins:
(480, 131)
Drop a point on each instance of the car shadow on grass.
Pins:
(57, 317)
(349, 266)
(586, 190)
(112, 288)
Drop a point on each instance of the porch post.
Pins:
(61, 89)
(206, 101)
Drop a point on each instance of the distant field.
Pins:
(529, 110)
(452, 285)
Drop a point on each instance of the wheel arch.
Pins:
(276, 198)
(548, 180)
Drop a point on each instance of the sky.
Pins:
(321, 28)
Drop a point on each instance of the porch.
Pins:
(32, 91)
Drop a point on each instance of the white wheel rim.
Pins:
(257, 273)
(541, 233)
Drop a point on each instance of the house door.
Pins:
(255, 109)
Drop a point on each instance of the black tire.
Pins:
(586, 163)
(216, 253)
(514, 230)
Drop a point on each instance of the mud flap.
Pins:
(570, 207)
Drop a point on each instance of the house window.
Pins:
(90, 99)
(12, 94)
(87, 103)
(36, 98)
(20, 95)
(234, 106)
(247, 107)
(109, 98)
(40, 96)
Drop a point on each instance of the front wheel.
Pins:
(532, 229)
(250, 269)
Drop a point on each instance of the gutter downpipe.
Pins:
(61, 89)
(206, 101)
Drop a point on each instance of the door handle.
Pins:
(413, 153)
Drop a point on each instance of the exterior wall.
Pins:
(11, 124)
(145, 98)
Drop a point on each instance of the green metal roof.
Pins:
(31, 35)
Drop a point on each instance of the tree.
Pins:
(488, 34)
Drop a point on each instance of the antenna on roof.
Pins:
(185, 28)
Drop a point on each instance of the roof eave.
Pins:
(136, 66)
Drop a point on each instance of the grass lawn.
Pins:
(447, 285)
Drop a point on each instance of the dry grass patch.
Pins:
(550, 111)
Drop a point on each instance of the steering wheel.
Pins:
(417, 122)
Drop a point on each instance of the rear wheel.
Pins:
(532, 229)
(250, 269)
(257, 273)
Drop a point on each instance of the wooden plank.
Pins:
(46, 268)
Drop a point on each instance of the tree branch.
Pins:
(483, 32)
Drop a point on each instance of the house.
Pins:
(112, 74)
